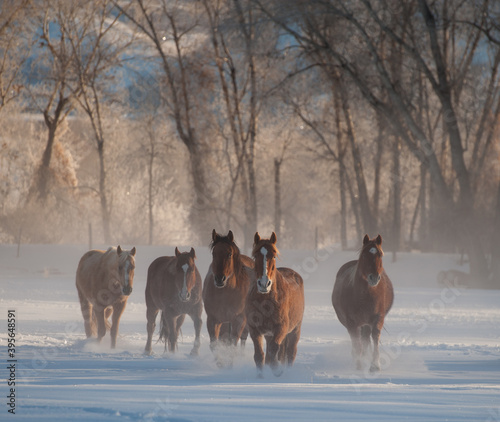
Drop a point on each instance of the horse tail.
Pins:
(163, 330)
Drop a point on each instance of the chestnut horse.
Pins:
(362, 296)
(225, 289)
(275, 307)
(174, 288)
(104, 282)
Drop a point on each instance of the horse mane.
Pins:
(258, 246)
(113, 253)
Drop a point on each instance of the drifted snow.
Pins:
(440, 351)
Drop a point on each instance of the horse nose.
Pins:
(220, 280)
(186, 297)
(264, 283)
(127, 290)
(373, 279)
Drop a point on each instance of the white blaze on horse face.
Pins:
(374, 250)
(184, 292)
(264, 283)
(127, 281)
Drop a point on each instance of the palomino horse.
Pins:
(104, 282)
(225, 289)
(173, 287)
(362, 296)
(275, 307)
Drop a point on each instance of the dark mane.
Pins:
(223, 239)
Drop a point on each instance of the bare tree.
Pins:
(169, 28)
(242, 95)
(429, 47)
(97, 47)
(15, 47)
(55, 94)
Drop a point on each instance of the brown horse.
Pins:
(225, 289)
(362, 296)
(275, 307)
(104, 282)
(173, 287)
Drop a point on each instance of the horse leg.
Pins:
(225, 333)
(272, 350)
(355, 334)
(178, 324)
(292, 339)
(237, 326)
(172, 333)
(101, 325)
(244, 336)
(107, 314)
(258, 356)
(366, 332)
(87, 312)
(282, 351)
(213, 329)
(375, 366)
(151, 314)
(196, 317)
(118, 309)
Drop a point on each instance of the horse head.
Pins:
(370, 260)
(225, 258)
(185, 266)
(126, 266)
(264, 254)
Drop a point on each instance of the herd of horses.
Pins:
(241, 295)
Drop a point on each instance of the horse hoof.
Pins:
(194, 353)
(260, 375)
(375, 367)
(277, 372)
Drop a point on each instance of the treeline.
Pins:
(156, 121)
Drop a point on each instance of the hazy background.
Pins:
(154, 122)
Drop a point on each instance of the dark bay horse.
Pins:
(174, 288)
(104, 282)
(225, 290)
(362, 296)
(275, 307)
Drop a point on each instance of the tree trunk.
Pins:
(150, 194)
(343, 209)
(277, 198)
(494, 283)
(43, 176)
(105, 214)
(369, 223)
(396, 188)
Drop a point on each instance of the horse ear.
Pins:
(378, 240)
(192, 253)
(177, 253)
(132, 252)
(366, 239)
(119, 250)
(230, 236)
(256, 238)
(214, 235)
(273, 238)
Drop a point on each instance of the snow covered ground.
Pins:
(440, 351)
